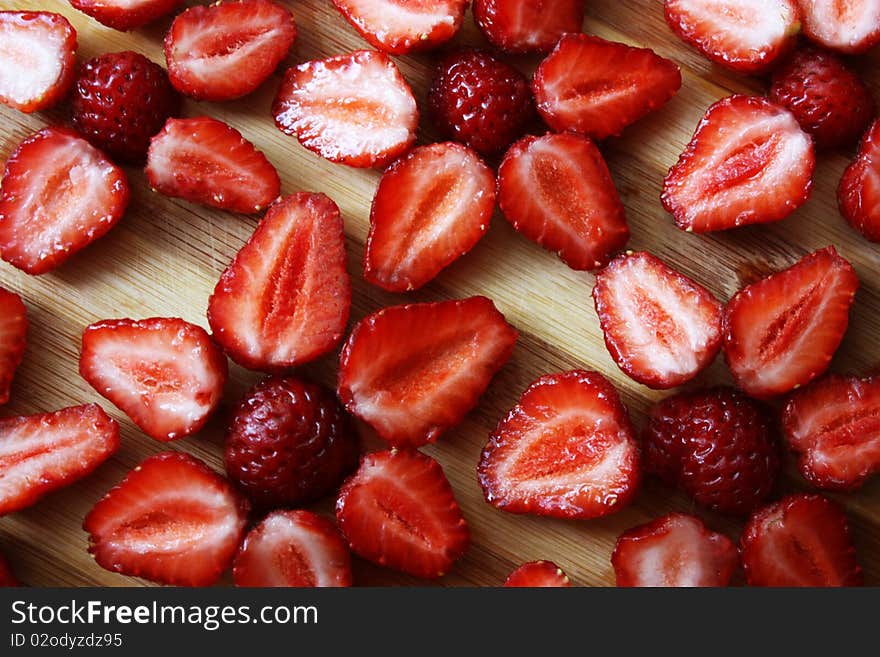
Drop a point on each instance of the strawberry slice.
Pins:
(284, 300)
(42, 453)
(782, 331)
(172, 520)
(519, 26)
(598, 87)
(125, 15)
(834, 426)
(13, 334)
(675, 550)
(59, 194)
(412, 384)
(43, 44)
(747, 36)
(567, 450)
(431, 207)
(351, 109)
(228, 49)
(660, 327)
(858, 195)
(205, 161)
(538, 574)
(165, 374)
(849, 27)
(398, 510)
(557, 191)
(399, 27)
(801, 540)
(293, 548)
(7, 577)
(749, 162)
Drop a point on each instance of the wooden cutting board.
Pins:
(165, 256)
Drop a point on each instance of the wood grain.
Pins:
(165, 256)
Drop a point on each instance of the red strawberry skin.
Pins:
(50, 77)
(431, 207)
(858, 195)
(295, 549)
(597, 88)
(521, 26)
(205, 161)
(58, 195)
(801, 540)
(412, 385)
(42, 453)
(398, 510)
(538, 574)
(172, 520)
(850, 28)
(226, 50)
(7, 577)
(566, 450)
(125, 15)
(557, 191)
(13, 336)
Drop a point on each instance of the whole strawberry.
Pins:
(717, 445)
(480, 101)
(120, 101)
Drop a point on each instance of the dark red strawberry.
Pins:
(13, 335)
(431, 207)
(747, 36)
(675, 550)
(858, 195)
(660, 327)
(598, 87)
(801, 540)
(480, 101)
(42, 453)
(567, 450)
(353, 109)
(414, 371)
(399, 27)
(557, 191)
(781, 332)
(399, 511)
(284, 300)
(538, 574)
(37, 59)
(293, 548)
(717, 445)
(833, 424)
(749, 162)
(125, 15)
(165, 374)
(205, 161)
(289, 442)
(120, 101)
(7, 577)
(227, 49)
(59, 194)
(518, 26)
(849, 27)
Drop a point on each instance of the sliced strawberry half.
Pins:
(557, 191)
(518, 26)
(352, 109)
(13, 335)
(414, 371)
(744, 35)
(293, 548)
(398, 511)
(782, 331)
(538, 574)
(285, 298)
(834, 426)
(7, 577)
(125, 15)
(205, 161)
(801, 540)
(59, 194)
(675, 550)
(227, 49)
(172, 520)
(850, 27)
(165, 374)
(44, 45)
(660, 327)
(42, 453)
(749, 162)
(597, 87)
(399, 27)
(567, 450)
(858, 195)
(431, 207)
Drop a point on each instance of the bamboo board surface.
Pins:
(164, 258)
